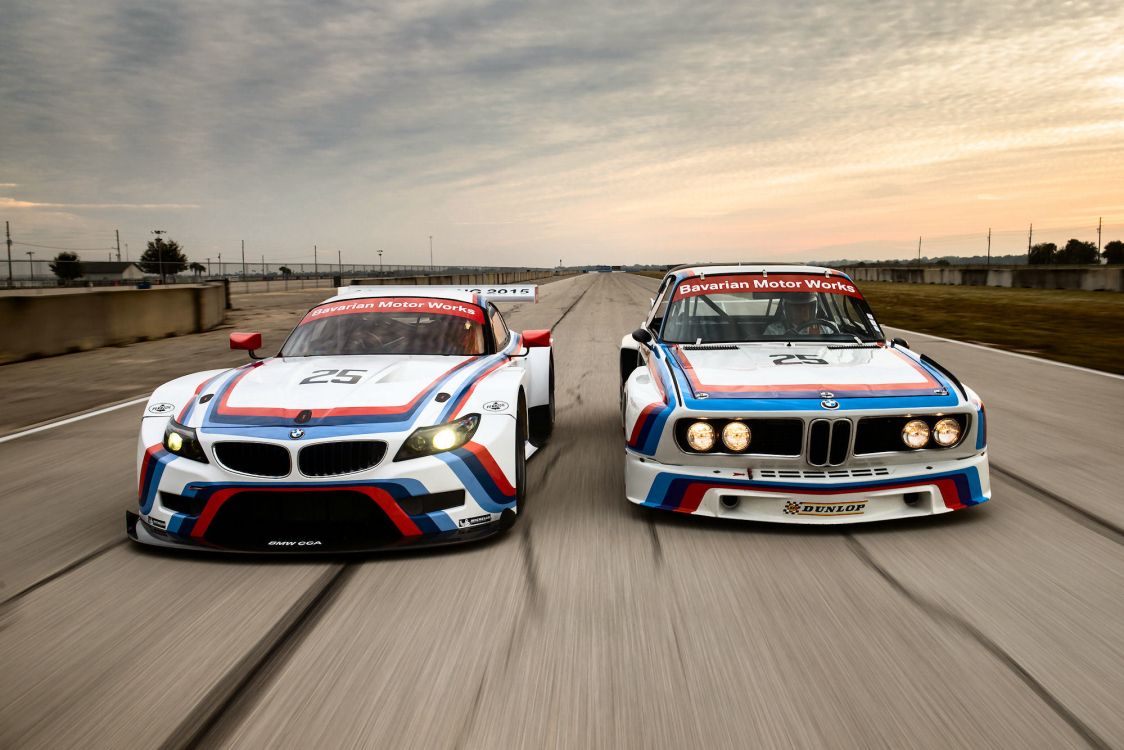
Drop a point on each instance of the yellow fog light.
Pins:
(444, 439)
(946, 432)
(736, 436)
(700, 436)
(915, 434)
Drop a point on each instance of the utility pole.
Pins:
(126, 251)
(919, 250)
(1029, 241)
(1099, 220)
(31, 263)
(8, 233)
(989, 246)
(339, 262)
(243, 260)
(431, 252)
(208, 267)
(159, 252)
(220, 267)
(118, 233)
(315, 264)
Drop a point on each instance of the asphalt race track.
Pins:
(591, 623)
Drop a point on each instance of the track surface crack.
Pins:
(941, 614)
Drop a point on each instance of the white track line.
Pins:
(69, 420)
(1040, 360)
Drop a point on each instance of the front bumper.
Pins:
(190, 504)
(848, 496)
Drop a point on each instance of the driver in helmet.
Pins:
(797, 315)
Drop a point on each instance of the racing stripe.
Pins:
(468, 385)
(648, 429)
(683, 493)
(152, 468)
(481, 475)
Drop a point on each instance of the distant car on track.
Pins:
(391, 416)
(770, 393)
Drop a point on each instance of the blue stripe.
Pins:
(477, 480)
(155, 470)
(981, 431)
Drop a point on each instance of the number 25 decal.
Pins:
(797, 359)
(320, 377)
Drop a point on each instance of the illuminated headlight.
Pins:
(183, 441)
(946, 432)
(736, 436)
(700, 436)
(915, 434)
(425, 441)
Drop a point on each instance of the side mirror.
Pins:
(536, 338)
(899, 342)
(247, 341)
(642, 335)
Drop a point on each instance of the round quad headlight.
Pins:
(700, 436)
(736, 436)
(915, 434)
(174, 442)
(444, 439)
(946, 432)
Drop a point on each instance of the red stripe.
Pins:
(698, 385)
(490, 466)
(403, 522)
(149, 457)
(640, 420)
(392, 305)
(223, 407)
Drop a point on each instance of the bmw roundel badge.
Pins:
(296, 434)
(830, 404)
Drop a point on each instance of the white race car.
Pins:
(391, 416)
(770, 393)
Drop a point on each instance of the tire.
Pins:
(521, 453)
(542, 417)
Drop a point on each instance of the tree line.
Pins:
(1075, 252)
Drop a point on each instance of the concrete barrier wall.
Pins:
(1092, 279)
(489, 277)
(41, 326)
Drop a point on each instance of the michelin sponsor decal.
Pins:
(475, 520)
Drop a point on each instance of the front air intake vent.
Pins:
(258, 459)
(333, 459)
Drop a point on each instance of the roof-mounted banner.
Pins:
(489, 293)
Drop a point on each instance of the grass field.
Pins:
(1081, 328)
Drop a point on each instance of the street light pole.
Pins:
(380, 262)
(431, 252)
(8, 234)
(31, 263)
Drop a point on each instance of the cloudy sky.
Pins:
(520, 132)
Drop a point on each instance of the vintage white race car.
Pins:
(770, 393)
(391, 416)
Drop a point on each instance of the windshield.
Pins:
(773, 307)
(389, 325)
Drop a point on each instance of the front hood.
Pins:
(821, 372)
(318, 391)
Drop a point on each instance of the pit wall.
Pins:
(1090, 279)
(45, 325)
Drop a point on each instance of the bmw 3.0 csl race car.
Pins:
(391, 416)
(770, 393)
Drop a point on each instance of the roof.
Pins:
(714, 269)
(106, 266)
(435, 292)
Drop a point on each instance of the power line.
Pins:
(57, 247)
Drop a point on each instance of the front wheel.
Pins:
(521, 453)
(542, 417)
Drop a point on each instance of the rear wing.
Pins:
(493, 293)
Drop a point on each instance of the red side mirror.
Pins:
(247, 341)
(536, 338)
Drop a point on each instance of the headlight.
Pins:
(915, 434)
(425, 441)
(946, 432)
(736, 436)
(700, 436)
(183, 441)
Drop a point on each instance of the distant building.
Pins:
(111, 270)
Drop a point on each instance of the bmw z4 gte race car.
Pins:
(391, 416)
(770, 393)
